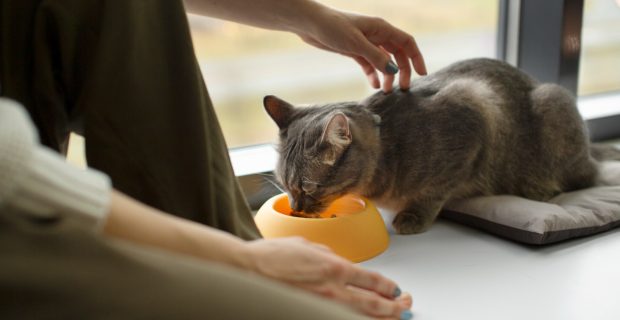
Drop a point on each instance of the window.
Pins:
(549, 39)
(600, 53)
(242, 64)
(599, 79)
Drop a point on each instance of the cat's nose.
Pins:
(296, 204)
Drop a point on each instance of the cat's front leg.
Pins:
(418, 216)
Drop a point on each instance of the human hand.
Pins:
(316, 269)
(370, 41)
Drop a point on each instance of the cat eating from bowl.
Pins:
(477, 127)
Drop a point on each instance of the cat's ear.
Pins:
(279, 110)
(337, 131)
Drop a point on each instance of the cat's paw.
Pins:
(408, 223)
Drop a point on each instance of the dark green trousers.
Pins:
(53, 269)
(123, 73)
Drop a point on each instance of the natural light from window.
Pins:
(600, 52)
(242, 64)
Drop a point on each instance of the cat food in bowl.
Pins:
(351, 226)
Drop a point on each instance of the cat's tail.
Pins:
(603, 152)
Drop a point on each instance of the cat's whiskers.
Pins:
(270, 178)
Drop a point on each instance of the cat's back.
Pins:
(481, 68)
(477, 106)
(489, 85)
(511, 116)
(504, 80)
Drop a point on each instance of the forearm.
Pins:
(284, 15)
(133, 221)
(36, 181)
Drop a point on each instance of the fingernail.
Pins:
(406, 315)
(397, 292)
(391, 68)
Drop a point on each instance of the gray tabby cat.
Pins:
(477, 127)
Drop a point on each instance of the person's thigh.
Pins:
(53, 269)
(149, 121)
(124, 74)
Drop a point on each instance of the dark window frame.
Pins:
(543, 38)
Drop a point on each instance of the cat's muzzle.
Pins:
(306, 205)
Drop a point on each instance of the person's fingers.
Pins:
(369, 70)
(404, 79)
(406, 300)
(381, 33)
(401, 40)
(377, 57)
(405, 312)
(364, 302)
(405, 315)
(373, 304)
(372, 281)
(366, 291)
(388, 83)
(368, 51)
(410, 47)
(388, 78)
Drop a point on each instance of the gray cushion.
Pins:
(568, 215)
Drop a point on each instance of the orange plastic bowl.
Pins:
(351, 226)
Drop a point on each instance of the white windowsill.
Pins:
(599, 106)
(253, 159)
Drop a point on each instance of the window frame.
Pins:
(548, 46)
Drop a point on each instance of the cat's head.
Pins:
(325, 151)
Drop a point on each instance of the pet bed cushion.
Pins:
(568, 215)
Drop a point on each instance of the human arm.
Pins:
(290, 260)
(368, 40)
(37, 182)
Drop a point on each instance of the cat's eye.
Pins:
(309, 187)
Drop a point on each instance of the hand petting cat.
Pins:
(370, 41)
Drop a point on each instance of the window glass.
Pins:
(242, 64)
(600, 53)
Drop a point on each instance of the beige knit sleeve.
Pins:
(37, 181)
